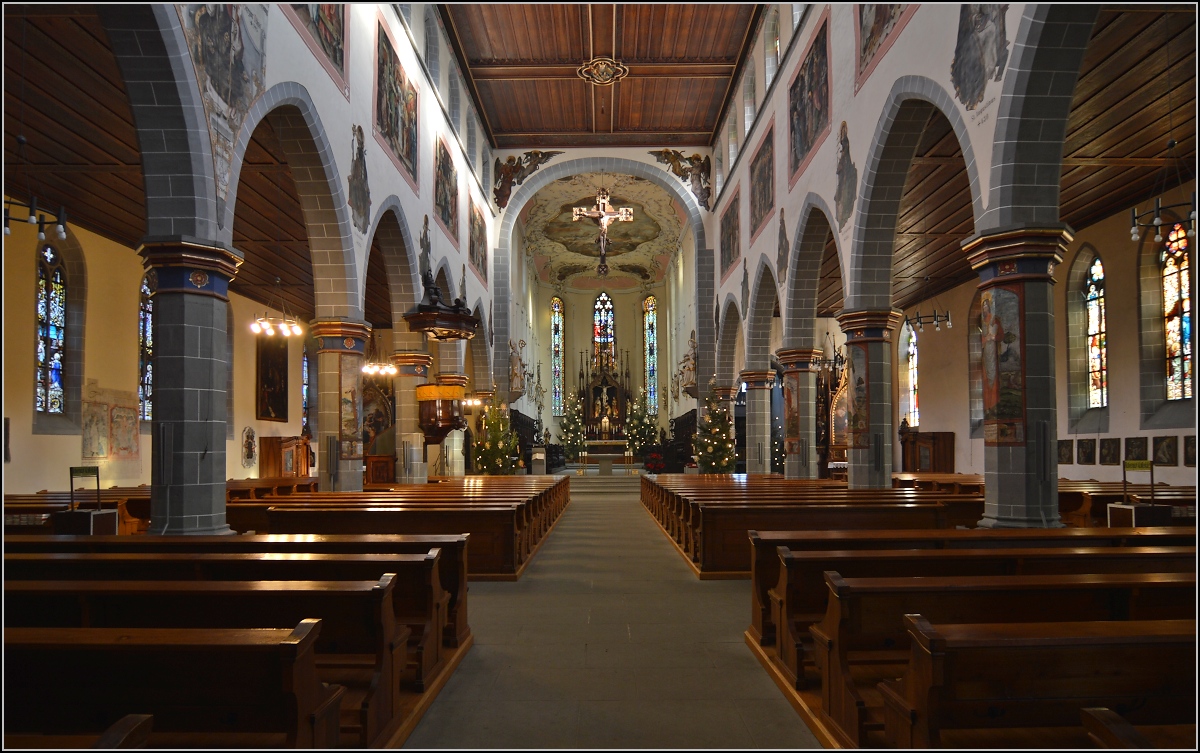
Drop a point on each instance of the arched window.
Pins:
(303, 389)
(146, 353)
(455, 102)
(405, 12)
(909, 404)
(52, 330)
(731, 140)
(797, 11)
(720, 172)
(1176, 275)
(471, 141)
(772, 49)
(432, 46)
(748, 95)
(556, 356)
(604, 341)
(1097, 347)
(650, 333)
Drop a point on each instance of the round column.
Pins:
(799, 411)
(341, 344)
(869, 351)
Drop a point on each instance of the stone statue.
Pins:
(687, 367)
(516, 372)
(426, 247)
(781, 261)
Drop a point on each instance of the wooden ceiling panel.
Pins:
(685, 105)
(829, 290)
(668, 33)
(516, 34)
(541, 106)
(377, 308)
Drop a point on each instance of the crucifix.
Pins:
(604, 214)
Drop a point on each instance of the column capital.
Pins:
(758, 380)
(798, 359)
(725, 393)
(1029, 253)
(340, 335)
(485, 395)
(184, 265)
(411, 363)
(450, 377)
(867, 325)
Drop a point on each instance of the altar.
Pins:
(605, 451)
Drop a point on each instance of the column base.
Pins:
(987, 522)
(176, 530)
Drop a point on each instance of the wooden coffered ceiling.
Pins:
(520, 63)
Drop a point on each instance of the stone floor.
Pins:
(609, 641)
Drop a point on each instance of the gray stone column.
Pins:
(341, 344)
(758, 419)
(1020, 411)
(869, 433)
(799, 405)
(190, 284)
(412, 369)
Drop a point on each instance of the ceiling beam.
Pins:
(1070, 161)
(568, 71)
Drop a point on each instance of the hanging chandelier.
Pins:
(373, 364)
(268, 325)
(918, 321)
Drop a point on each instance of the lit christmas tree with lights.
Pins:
(715, 452)
(495, 450)
(640, 428)
(570, 429)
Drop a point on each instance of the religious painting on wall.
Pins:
(325, 25)
(1003, 365)
(1086, 451)
(878, 27)
(123, 434)
(378, 411)
(1066, 451)
(731, 233)
(477, 249)
(1135, 448)
(395, 107)
(791, 412)
(1189, 451)
(858, 428)
(358, 195)
(95, 429)
(1166, 451)
(981, 52)
(1110, 451)
(272, 360)
(808, 104)
(350, 406)
(762, 184)
(445, 191)
(846, 190)
(228, 46)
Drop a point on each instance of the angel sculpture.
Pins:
(694, 171)
(514, 171)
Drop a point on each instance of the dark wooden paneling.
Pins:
(378, 304)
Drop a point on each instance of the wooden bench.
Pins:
(359, 646)
(452, 566)
(204, 687)
(862, 637)
(419, 600)
(800, 598)
(130, 731)
(965, 684)
(765, 558)
(1107, 729)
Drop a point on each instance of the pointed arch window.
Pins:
(51, 330)
(732, 140)
(650, 333)
(304, 389)
(1097, 343)
(146, 353)
(604, 341)
(772, 56)
(748, 97)
(432, 49)
(911, 390)
(455, 101)
(720, 171)
(556, 356)
(1176, 277)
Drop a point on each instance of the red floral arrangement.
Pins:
(654, 462)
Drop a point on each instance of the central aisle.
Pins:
(609, 641)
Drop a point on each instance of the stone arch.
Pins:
(906, 111)
(390, 231)
(322, 195)
(763, 299)
(70, 420)
(804, 274)
(705, 281)
(173, 136)
(726, 369)
(1031, 122)
(444, 275)
(480, 353)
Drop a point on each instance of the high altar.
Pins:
(604, 391)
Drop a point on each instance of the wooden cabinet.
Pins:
(927, 451)
(282, 457)
(381, 469)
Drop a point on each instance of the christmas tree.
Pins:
(570, 428)
(494, 451)
(640, 427)
(715, 452)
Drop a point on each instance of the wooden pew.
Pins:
(359, 646)
(452, 566)
(130, 731)
(799, 600)
(419, 601)
(765, 559)
(205, 687)
(862, 637)
(1107, 729)
(988, 685)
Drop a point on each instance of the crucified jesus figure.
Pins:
(604, 214)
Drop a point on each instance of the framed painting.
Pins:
(1166, 450)
(477, 250)
(1110, 451)
(1085, 452)
(808, 103)
(272, 379)
(123, 433)
(445, 191)
(395, 107)
(731, 233)
(1135, 448)
(1189, 451)
(1003, 360)
(350, 406)
(859, 409)
(1066, 451)
(762, 184)
(323, 27)
(877, 27)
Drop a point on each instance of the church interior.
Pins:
(900, 294)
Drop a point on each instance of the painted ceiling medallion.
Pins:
(602, 71)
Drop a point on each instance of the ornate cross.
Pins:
(604, 214)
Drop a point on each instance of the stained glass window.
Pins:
(304, 389)
(650, 330)
(51, 324)
(914, 412)
(1177, 313)
(1097, 346)
(556, 356)
(146, 353)
(604, 341)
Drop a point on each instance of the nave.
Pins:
(609, 641)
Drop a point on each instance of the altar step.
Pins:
(601, 488)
